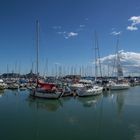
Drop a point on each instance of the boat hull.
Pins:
(45, 94)
(90, 92)
(119, 87)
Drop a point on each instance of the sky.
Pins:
(66, 36)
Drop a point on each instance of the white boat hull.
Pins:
(45, 94)
(95, 90)
(119, 86)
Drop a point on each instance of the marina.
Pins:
(69, 70)
(112, 115)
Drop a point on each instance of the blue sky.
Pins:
(66, 31)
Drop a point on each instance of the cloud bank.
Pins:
(130, 62)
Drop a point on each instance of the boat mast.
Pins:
(7, 71)
(119, 68)
(46, 68)
(97, 57)
(37, 47)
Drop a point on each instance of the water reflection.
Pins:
(120, 103)
(53, 105)
(118, 98)
(134, 98)
(107, 93)
(1, 93)
(14, 92)
(49, 105)
(98, 114)
(89, 101)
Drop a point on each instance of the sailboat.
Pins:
(91, 89)
(98, 89)
(44, 90)
(119, 84)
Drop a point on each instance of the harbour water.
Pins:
(113, 115)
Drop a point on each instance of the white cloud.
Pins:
(130, 61)
(116, 33)
(132, 28)
(68, 35)
(59, 30)
(135, 22)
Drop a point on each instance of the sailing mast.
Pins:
(7, 71)
(37, 47)
(97, 58)
(118, 65)
(45, 69)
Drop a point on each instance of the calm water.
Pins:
(112, 116)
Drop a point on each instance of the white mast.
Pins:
(119, 68)
(37, 47)
(97, 58)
